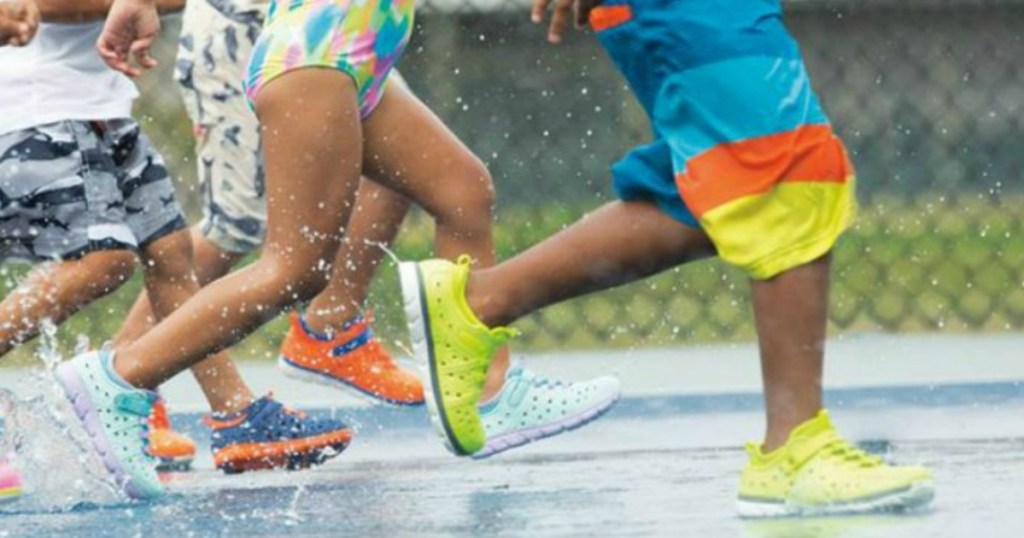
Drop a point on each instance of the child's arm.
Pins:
(564, 11)
(19, 20)
(91, 10)
(131, 28)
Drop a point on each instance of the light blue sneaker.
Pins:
(116, 416)
(530, 408)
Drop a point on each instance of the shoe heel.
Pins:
(416, 317)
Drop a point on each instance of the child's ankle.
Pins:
(327, 323)
(484, 306)
(124, 374)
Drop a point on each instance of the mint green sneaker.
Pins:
(116, 417)
(453, 347)
(530, 408)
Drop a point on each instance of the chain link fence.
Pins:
(926, 93)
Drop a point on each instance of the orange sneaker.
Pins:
(353, 360)
(174, 451)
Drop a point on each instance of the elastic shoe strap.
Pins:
(135, 403)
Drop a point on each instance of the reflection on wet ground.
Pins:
(656, 482)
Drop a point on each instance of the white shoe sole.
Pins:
(416, 319)
(518, 438)
(914, 497)
(306, 376)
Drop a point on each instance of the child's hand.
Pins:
(131, 27)
(19, 21)
(563, 11)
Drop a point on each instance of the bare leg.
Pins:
(624, 242)
(378, 215)
(56, 291)
(791, 312)
(312, 143)
(621, 242)
(170, 281)
(210, 263)
(410, 150)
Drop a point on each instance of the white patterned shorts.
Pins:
(213, 53)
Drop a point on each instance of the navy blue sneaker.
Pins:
(267, 435)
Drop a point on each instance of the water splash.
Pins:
(47, 445)
(384, 247)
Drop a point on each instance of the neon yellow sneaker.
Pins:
(453, 347)
(819, 473)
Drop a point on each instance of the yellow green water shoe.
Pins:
(453, 347)
(819, 473)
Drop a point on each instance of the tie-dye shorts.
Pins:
(363, 38)
(742, 148)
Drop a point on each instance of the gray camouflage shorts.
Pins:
(74, 187)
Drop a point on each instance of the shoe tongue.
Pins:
(515, 370)
(821, 423)
(259, 406)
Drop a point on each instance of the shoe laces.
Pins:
(144, 434)
(847, 453)
(530, 380)
(542, 382)
(301, 415)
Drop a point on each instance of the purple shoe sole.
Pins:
(517, 439)
(85, 409)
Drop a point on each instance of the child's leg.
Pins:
(378, 215)
(312, 139)
(56, 291)
(333, 341)
(272, 436)
(214, 48)
(411, 151)
(170, 282)
(211, 263)
(621, 242)
(791, 312)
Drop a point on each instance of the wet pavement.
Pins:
(658, 465)
(658, 481)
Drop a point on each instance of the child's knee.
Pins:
(170, 256)
(471, 198)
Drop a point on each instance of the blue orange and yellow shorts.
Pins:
(742, 148)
